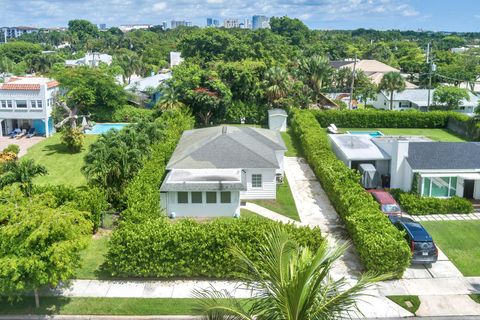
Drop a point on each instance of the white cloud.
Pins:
(214, 1)
(159, 6)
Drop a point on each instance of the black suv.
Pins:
(424, 250)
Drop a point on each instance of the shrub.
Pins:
(73, 139)
(416, 205)
(253, 113)
(129, 113)
(7, 157)
(12, 148)
(185, 248)
(367, 118)
(380, 245)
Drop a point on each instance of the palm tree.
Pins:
(291, 282)
(170, 98)
(21, 172)
(316, 70)
(392, 81)
(276, 84)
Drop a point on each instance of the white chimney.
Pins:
(397, 164)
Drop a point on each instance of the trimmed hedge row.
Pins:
(368, 118)
(381, 246)
(143, 192)
(417, 205)
(186, 248)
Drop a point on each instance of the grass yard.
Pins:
(293, 147)
(459, 241)
(102, 306)
(92, 258)
(63, 167)
(410, 303)
(475, 297)
(434, 134)
(284, 204)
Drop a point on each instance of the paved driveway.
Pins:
(23, 143)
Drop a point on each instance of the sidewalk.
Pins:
(448, 217)
(269, 214)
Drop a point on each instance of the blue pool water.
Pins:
(373, 134)
(100, 128)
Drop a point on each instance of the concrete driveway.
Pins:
(23, 143)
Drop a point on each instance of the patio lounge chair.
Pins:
(333, 126)
(14, 133)
(31, 132)
(22, 134)
(332, 130)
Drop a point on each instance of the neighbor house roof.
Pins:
(204, 179)
(148, 82)
(28, 83)
(444, 155)
(420, 97)
(225, 147)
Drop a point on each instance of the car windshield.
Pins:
(390, 208)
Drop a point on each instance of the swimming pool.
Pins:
(100, 128)
(373, 134)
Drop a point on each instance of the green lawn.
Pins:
(434, 134)
(92, 258)
(284, 204)
(411, 303)
(293, 147)
(475, 297)
(459, 241)
(101, 306)
(63, 167)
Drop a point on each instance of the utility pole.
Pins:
(431, 69)
(353, 82)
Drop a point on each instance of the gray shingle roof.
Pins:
(226, 147)
(444, 155)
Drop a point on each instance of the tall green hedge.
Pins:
(143, 192)
(369, 118)
(381, 246)
(186, 248)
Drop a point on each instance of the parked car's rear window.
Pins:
(390, 208)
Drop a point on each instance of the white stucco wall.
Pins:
(269, 185)
(380, 102)
(280, 154)
(476, 190)
(277, 122)
(170, 203)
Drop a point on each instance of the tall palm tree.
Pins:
(21, 172)
(291, 282)
(316, 70)
(276, 84)
(392, 81)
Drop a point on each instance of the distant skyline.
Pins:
(436, 15)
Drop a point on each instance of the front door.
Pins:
(468, 186)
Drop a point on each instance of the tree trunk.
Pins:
(391, 100)
(37, 298)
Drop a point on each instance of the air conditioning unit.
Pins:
(279, 178)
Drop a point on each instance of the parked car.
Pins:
(388, 205)
(424, 250)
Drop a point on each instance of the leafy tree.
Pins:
(315, 71)
(82, 29)
(294, 30)
(292, 282)
(450, 97)
(380, 51)
(452, 41)
(391, 82)
(18, 50)
(39, 246)
(276, 84)
(129, 62)
(114, 159)
(21, 172)
(170, 99)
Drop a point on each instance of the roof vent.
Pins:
(224, 130)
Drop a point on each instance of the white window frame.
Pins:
(431, 184)
(9, 104)
(22, 108)
(39, 104)
(255, 181)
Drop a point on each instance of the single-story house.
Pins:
(418, 99)
(146, 91)
(374, 69)
(213, 169)
(443, 169)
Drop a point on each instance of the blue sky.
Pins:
(438, 15)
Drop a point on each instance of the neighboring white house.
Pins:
(26, 102)
(277, 120)
(91, 59)
(417, 99)
(444, 169)
(213, 169)
(146, 90)
(175, 58)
